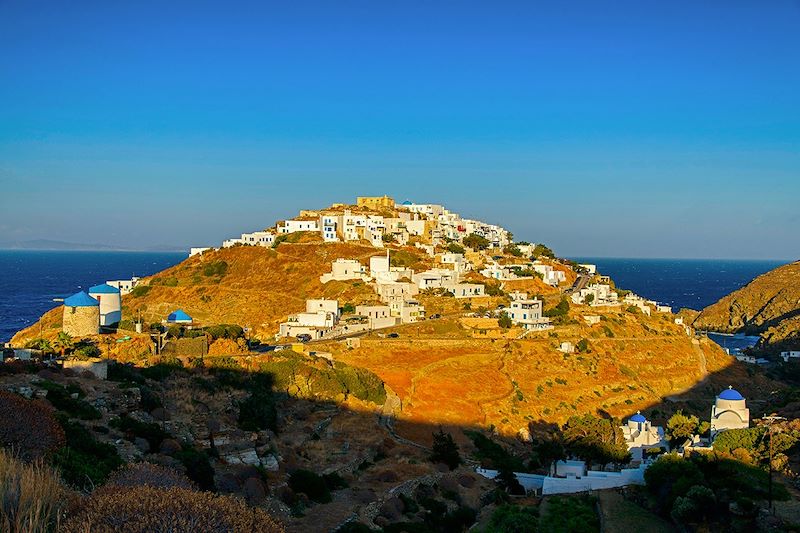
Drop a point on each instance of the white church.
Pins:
(729, 412)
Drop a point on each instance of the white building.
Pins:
(589, 268)
(790, 355)
(396, 290)
(198, 250)
(345, 269)
(598, 294)
(566, 347)
(320, 316)
(293, 226)
(729, 412)
(379, 316)
(640, 435)
(435, 278)
(550, 275)
(465, 290)
(528, 314)
(408, 311)
(229, 243)
(110, 303)
(125, 286)
(459, 263)
(329, 225)
(258, 238)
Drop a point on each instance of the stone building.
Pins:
(375, 202)
(81, 315)
(729, 412)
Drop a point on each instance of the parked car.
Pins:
(435, 315)
(393, 335)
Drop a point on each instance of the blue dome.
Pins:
(730, 394)
(81, 299)
(407, 202)
(638, 417)
(179, 316)
(105, 288)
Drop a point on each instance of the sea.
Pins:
(30, 280)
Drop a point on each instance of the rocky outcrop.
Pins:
(769, 305)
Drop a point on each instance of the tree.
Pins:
(560, 310)
(512, 249)
(583, 346)
(40, 344)
(595, 440)
(476, 242)
(504, 321)
(540, 250)
(588, 299)
(64, 342)
(455, 248)
(310, 484)
(681, 427)
(445, 450)
(513, 519)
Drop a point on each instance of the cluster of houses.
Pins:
(643, 440)
(377, 219)
(549, 275)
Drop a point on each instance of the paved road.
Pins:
(579, 284)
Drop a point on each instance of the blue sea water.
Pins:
(692, 283)
(29, 280)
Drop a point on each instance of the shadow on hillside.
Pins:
(374, 452)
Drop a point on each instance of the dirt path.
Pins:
(620, 515)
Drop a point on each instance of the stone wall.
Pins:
(81, 321)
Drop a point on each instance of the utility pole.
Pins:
(770, 420)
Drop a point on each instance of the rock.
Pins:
(74, 395)
(26, 392)
(244, 472)
(254, 490)
(270, 463)
(286, 495)
(524, 435)
(246, 457)
(382, 521)
(142, 445)
(170, 447)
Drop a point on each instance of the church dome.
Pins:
(638, 417)
(730, 394)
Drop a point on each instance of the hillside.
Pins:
(769, 306)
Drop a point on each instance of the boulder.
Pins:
(170, 446)
(142, 445)
(254, 490)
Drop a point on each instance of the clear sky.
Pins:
(641, 128)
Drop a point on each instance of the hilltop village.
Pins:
(397, 367)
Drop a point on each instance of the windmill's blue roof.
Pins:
(730, 394)
(638, 417)
(408, 202)
(104, 288)
(177, 315)
(81, 299)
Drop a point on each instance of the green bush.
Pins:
(570, 514)
(513, 519)
(61, 398)
(215, 268)
(198, 467)
(149, 431)
(140, 290)
(84, 462)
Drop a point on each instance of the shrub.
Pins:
(540, 250)
(198, 467)
(258, 411)
(39, 436)
(149, 431)
(570, 514)
(513, 519)
(84, 462)
(140, 290)
(146, 509)
(310, 484)
(455, 248)
(504, 321)
(560, 310)
(32, 498)
(445, 450)
(216, 268)
(475, 241)
(61, 398)
(150, 475)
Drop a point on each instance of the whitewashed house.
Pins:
(465, 290)
(293, 226)
(259, 238)
(600, 294)
(395, 290)
(345, 269)
(320, 317)
(379, 316)
(786, 356)
(198, 250)
(435, 278)
(329, 225)
(528, 314)
(408, 311)
(458, 262)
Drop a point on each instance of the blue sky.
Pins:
(641, 129)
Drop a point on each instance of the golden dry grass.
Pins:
(32, 498)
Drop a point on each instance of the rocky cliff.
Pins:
(769, 306)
